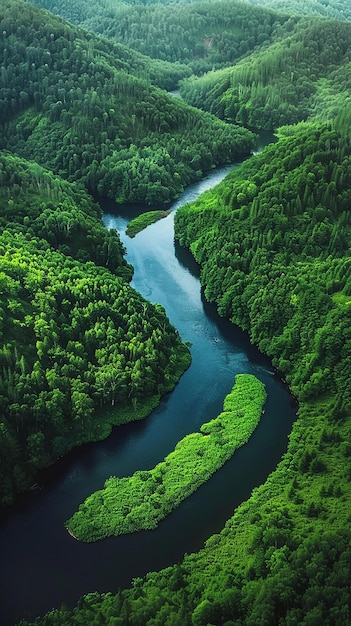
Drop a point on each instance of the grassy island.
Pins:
(145, 219)
(140, 501)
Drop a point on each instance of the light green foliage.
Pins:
(47, 207)
(143, 221)
(139, 502)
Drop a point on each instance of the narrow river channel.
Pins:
(42, 566)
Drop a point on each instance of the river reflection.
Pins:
(42, 566)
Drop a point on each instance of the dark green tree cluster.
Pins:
(202, 35)
(304, 74)
(75, 103)
(75, 336)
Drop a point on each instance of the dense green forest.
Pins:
(140, 501)
(274, 247)
(339, 9)
(81, 350)
(202, 35)
(77, 104)
(303, 68)
(273, 244)
(305, 74)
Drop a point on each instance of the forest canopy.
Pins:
(86, 109)
(338, 9)
(302, 76)
(141, 501)
(76, 338)
(273, 244)
(200, 35)
(81, 350)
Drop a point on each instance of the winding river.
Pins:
(42, 566)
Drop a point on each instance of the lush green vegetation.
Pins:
(45, 206)
(284, 556)
(303, 75)
(273, 242)
(338, 9)
(76, 338)
(85, 108)
(143, 221)
(203, 35)
(140, 501)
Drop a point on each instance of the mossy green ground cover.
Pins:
(140, 501)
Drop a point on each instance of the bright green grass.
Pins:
(140, 501)
(142, 221)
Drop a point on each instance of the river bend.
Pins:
(42, 566)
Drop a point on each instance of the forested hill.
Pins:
(276, 250)
(278, 69)
(273, 241)
(338, 9)
(203, 34)
(306, 74)
(76, 103)
(80, 349)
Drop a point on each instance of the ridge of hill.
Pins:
(337, 9)
(203, 34)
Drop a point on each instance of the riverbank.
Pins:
(140, 501)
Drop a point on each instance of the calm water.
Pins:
(42, 566)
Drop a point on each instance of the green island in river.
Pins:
(144, 220)
(140, 501)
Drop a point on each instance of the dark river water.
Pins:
(41, 565)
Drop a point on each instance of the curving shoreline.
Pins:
(141, 501)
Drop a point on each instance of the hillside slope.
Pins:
(338, 9)
(76, 103)
(303, 75)
(80, 349)
(273, 243)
